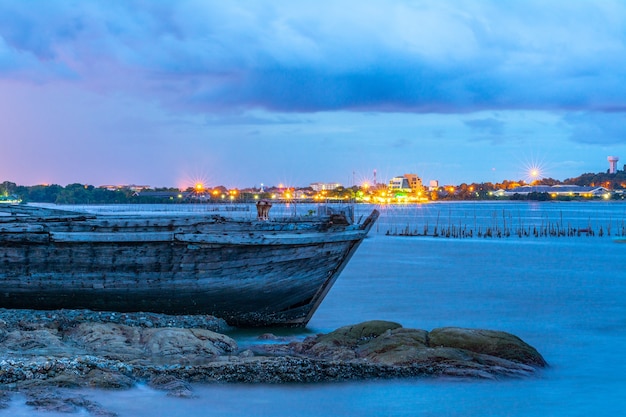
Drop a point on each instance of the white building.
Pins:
(399, 183)
(325, 186)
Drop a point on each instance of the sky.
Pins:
(244, 93)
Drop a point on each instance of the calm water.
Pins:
(564, 296)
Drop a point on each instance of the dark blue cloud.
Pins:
(401, 56)
(597, 128)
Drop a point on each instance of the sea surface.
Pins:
(564, 295)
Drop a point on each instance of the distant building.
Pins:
(415, 182)
(131, 187)
(406, 183)
(325, 186)
(302, 194)
(163, 195)
(557, 190)
(399, 184)
(433, 185)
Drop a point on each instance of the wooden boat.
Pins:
(255, 272)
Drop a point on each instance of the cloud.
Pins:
(420, 56)
(253, 119)
(597, 128)
(490, 126)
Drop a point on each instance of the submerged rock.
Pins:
(64, 402)
(4, 399)
(175, 387)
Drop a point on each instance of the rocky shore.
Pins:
(69, 349)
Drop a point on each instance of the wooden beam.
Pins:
(111, 237)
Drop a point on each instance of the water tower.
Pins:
(613, 164)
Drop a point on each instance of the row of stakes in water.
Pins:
(548, 230)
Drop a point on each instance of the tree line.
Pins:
(88, 194)
(70, 194)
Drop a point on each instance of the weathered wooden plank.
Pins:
(24, 237)
(189, 224)
(111, 258)
(111, 237)
(20, 228)
(268, 239)
(16, 209)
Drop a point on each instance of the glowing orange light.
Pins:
(199, 186)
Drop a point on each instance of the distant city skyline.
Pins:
(244, 93)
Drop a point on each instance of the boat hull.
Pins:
(274, 275)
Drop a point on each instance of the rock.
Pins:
(341, 344)
(77, 349)
(186, 342)
(268, 336)
(123, 342)
(5, 398)
(11, 318)
(175, 387)
(490, 342)
(64, 402)
(450, 351)
(69, 380)
(97, 378)
(397, 346)
(33, 341)
(358, 334)
(108, 339)
(49, 401)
